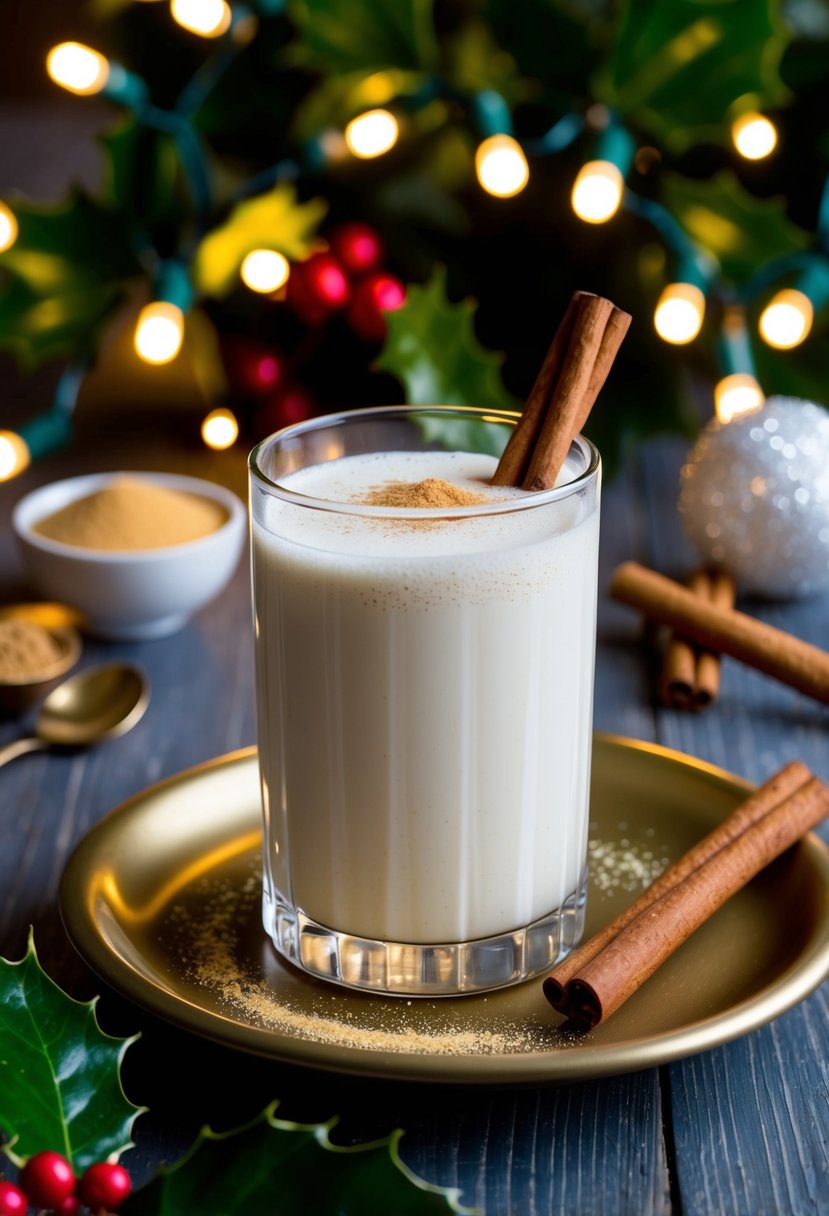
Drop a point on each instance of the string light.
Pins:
(737, 394)
(371, 134)
(265, 270)
(8, 227)
(77, 68)
(220, 430)
(679, 313)
(754, 136)
(45, 432)
(81, 70)
(208, 18)
(501, 166)
(597, 191)
(787, 319)
(159, 332)
(14, 455)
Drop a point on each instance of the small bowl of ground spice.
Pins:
(136, 553)
(38, 647)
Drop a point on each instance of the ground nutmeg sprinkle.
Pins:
(431, 493)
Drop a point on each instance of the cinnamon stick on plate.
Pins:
(571, 377)
(770, 795)
(690, 675)
(641, 947)
(772, 651)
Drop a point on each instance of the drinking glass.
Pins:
(424, 684)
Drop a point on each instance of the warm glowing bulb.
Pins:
(787, 319)
(159, 332)
(371, 134)
(679, 313)
(754, 135)
(265, 270)
(501, 166)
(736, 395)
(77, 68)
(8, 228)
(220, 429)
(597, 191)
(209, 18)
(14, 455)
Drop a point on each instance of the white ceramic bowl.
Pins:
(135, 594)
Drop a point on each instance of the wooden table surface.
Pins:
(740, 1129)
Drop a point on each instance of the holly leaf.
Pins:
(362, 35)
(66, 272)
(549, 42)
(274, 220)
(142, 177)
(273, 1165)
(432, 348)
(742, 232)
(677, 66)
(60, 1086)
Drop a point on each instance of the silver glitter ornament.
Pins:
(754, 498)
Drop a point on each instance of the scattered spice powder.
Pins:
(26, 649)
(207, 940)
(131, 513)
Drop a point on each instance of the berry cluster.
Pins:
(347, 277)
(346, 280)
(47, 1181)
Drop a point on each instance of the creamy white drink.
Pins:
(424, 691)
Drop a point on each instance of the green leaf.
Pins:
(60, 1086)
(143, 178)
(549, 43)
(432, 348)
(66, 271)
(274, 220)
(677, 66)
(742, 232)
(276, 1166)
(361, 35)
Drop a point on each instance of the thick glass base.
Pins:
(428, 970)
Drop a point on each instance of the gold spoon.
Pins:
(94, 704)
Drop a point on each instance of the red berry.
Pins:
(358, 247)
(317, 287)
(252, 367)
(47, 1179)
(70, 1207)
(105, 1185)
(12, 1200)
(374, 296)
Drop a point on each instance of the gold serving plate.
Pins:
(162, 898)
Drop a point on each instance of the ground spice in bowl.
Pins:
(131, 513)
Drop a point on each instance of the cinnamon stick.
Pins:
(571, 377)
(515, 459)
(640, 949)
(772, 651)
(690, 676)
(766, 798)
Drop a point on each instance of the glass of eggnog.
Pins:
(424, 648)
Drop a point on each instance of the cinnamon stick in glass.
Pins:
(768, 796)
(690, 675)
(571, 377)
(641, 947)
(727, 631)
